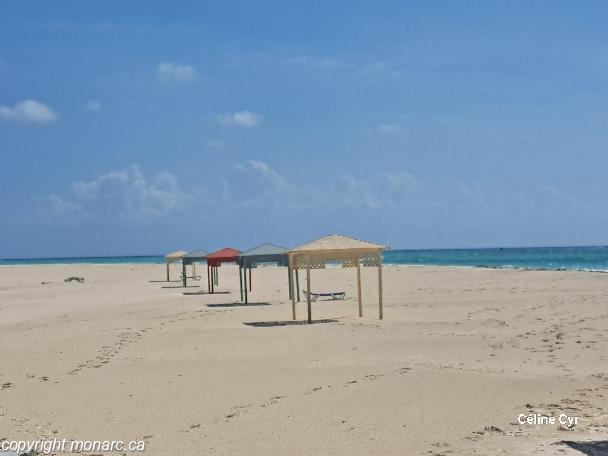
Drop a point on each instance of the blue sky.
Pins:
(142, 127)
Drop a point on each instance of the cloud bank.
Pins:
(246, 119)
(28, 111)
(174, 72)
(126, 195)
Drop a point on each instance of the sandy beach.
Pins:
(460, 354)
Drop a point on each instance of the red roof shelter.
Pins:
(215, 260)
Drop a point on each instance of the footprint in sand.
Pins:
(403, 370)
(372, 377)
(314, 390)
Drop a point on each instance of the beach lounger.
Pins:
(196, 277)
(333, 295)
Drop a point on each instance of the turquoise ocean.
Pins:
(551, 258)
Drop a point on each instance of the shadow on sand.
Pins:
(593, 448)
(181, 286)
(198, 293)
(164, 281)
(271, 324)
(240, 304)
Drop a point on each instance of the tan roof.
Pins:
(336, 242)
(175, 255)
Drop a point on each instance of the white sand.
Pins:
(460, 350)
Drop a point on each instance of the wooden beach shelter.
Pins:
(262, 254)
(215, 260)
(172, 258)
(351, 252)
(192, 258)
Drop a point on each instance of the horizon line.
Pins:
(387, 250)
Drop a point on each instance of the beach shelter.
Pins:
(351, 252)
(172, 258)
(262, 254)
(192, 258)
(215, 260)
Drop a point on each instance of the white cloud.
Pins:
(173, 72)
(388, 128)
(28, 111)
(121, 195)
(364, 71)
(55, 205)
(402, 182)
(92, 106)
(317, 62)
(259, 185)
(245, 119)
(380, 71)
(264, 172)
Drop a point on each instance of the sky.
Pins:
(145, 127)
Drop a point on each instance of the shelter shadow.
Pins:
(164, 281)
(198, 293)
(240, 304)
(181, 286)
(270, 324)
(593, 448)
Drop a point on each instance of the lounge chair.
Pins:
(196, 277)
(333, 295)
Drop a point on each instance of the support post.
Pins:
(212, 279)
(298, 284)
(308, 289)
(359, 287)
(167, 271)
(208, 278)
(245, 272)
(380, 309)
(289, 280)
(241, 280)
(293, 295)
(250, 268)
(193, 269)
(184, 273)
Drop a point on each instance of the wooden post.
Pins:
(241, 281)
(167, 271)
(289, 280)
(308, 289)
(298, 284)
(359, 287)
(245, 272)
(380, 309)
(193, 269)
(293, 295)
(208, 279)
(250, 268)
(184, 273)
(212, 279)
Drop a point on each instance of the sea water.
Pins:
(551, 258)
